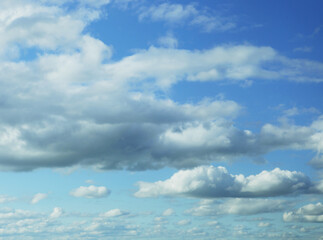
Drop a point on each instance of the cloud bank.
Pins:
(216, 182)
(71, 104)
(307, 213)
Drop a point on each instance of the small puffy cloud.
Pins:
(168, 212)
(184, 222)
(307, 213)
(114, 213)
(238, 206)
(38, 197)
(56, 213)
(90, 192)
(264, 224)
(217, 182)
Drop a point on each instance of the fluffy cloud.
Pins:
(168, 212)
(73, 105)
(38, 197)
(114, 213)
(216, 182)
(90, 192)
(307, 213)
(57, 212)
(45, 26)
(238, 206)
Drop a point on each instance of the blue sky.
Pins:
(136, 119)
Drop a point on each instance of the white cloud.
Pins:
(168, 41)
(168, 212)
(186, 14)
(45, 26)
(238, 206)
(38, 197)
(172, 13)
(216, 182)
(112, 103)
(90, 192)
(184, 222)
(307, 213)
(57, 212)
(114, 213)
(264, 224)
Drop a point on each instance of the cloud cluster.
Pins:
(216, 182)
(307, 213)
(71, 104)
(90, 192)
(17, 224)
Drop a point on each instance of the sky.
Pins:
(137, 119)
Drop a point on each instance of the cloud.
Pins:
(238, 206)
(168, 41)
(216, 182)
(303, 49)
(168, 12)
(57, 212)
(109, 116)
(38, 197)
(264, 224)
(168, 212)
(114, 213)
(17, 223)
(184, 222)
(49, 26)
(5, 199)
(90, 192)
(186, 14)
(307, 213)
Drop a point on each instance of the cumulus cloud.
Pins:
(307, 213)
(168, 212)
(56, 213)
(238, 206)
(114, 213)
(108, 115)
(38, 197)
(217, 182)
(90, 192)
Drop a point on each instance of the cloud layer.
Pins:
(68, 103)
